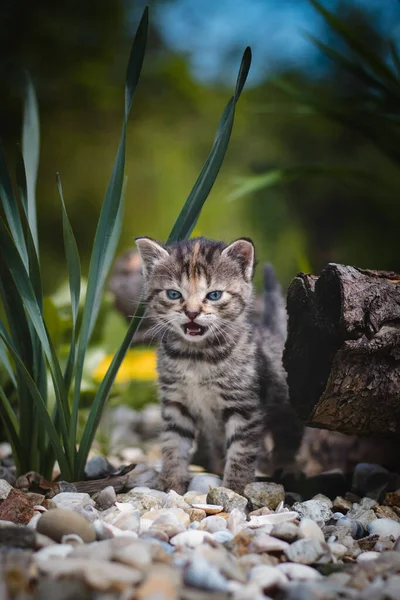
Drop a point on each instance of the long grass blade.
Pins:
(10, 423)
(374, 62)
(74, 278)
(109, 221)
(12, 261)
(43, 412)
(10, 208)
(205, 181)
(30, 152)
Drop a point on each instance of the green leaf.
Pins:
(30, 152)
(204, 183)
(377, 66)
(109, 222)
(10, 423)
(74, 280)
(13, 262)
(43, 412)
(11, 211)
(4, 360)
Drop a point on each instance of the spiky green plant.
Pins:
(38, 432)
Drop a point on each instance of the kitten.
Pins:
(217, 372)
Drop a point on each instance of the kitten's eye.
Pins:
(174, 294)
(216, 295)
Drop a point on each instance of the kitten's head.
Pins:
(198, 288)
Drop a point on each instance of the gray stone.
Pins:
(58, 522)
(142, 501)
(203, 483)
(323, 498)
(226, 498)
(316, 510)
(201, 574)
(306, 552)
(71, 500)
(18, 537)
(5, 489)
(106, 498)
(361, 514)
(286, 531)
(98, 467)
(384, 527)
(262, 494)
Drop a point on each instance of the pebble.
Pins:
(17, 537)
(209, 509)
(273, 519)
(223, 536)
(99, 575)
(267, 577)
(366, 556)
(309, 529)
(203, 483)
(124, 516)
(299, 572)
(287, 531)
(213, 524)
(306, 552)
(16, 508)
(267, 543)
(260, 494)
(201, 574)
(142, 501)
(227, 498)
(341, 504)
(56, 551)
(5, 489)
(106, 498)
(384, 527)
(190, 538)
(71, 500)
(98, 467)
(316, 510)
(57, 522)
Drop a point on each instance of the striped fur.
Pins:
(227, 382)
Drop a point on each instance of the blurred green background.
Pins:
(77, 52)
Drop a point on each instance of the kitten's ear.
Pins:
(151, 253)
(242, 251)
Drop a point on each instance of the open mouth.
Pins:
(193, 329)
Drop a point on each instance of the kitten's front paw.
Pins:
(166, 484)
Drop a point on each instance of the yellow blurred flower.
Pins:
(138, 364)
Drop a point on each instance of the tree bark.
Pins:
(342, 354)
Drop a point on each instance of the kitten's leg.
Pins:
(243, 430)
(176, 444)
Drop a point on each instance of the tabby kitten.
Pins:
(217, 372)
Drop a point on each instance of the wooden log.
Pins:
(342, 354)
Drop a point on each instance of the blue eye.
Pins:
(214, 295)
(174, 294)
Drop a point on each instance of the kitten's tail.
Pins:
(274, 312)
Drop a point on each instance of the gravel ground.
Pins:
(274, 541)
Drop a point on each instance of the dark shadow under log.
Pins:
(342, 354)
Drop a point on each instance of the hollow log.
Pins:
(342, 353)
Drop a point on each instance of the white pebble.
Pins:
(299, 572)
(190, 538)
(365, 556)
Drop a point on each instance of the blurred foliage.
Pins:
(74, 52)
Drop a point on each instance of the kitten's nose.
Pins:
(192, 314)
